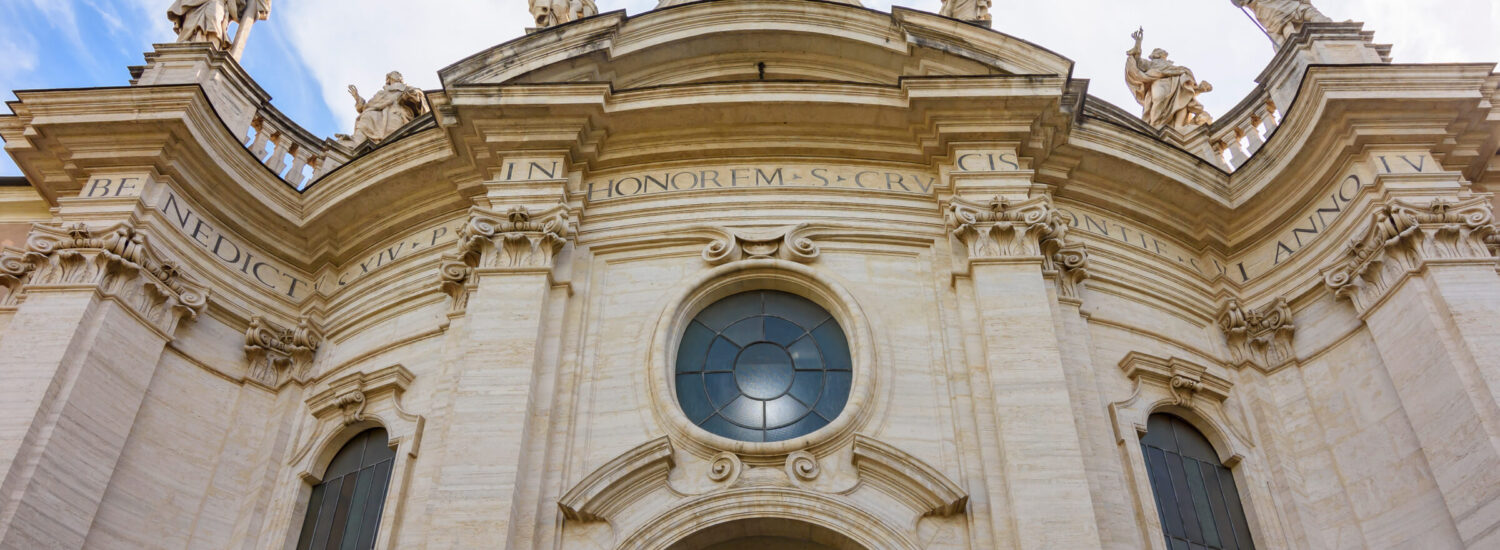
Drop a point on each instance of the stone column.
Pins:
(502, 279)
(1041, 465)
(1425, 284)
(94, 308)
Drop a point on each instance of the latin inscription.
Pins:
(670, 180)
(100, 187)
(986, 161)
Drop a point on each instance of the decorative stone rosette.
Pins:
(116, 258)
(1402, 236)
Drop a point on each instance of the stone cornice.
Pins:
(116, 260)
(1401, 238)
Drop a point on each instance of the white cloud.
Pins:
(18, 54)
(357, 41)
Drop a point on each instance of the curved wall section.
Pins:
(1023, 277)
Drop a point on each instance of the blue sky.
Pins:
(310, 50)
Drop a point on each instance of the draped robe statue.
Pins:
(208, 21)
(1283, 18)
(388, 110)
(556, 12)
(966, 10)
(1166, 91)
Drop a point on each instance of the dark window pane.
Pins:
(721, 388)
(805, 354)
(808, 386)
(326, 512)
(341, 513)
(764, 371)
(313, 503)
(746, 332)
(795, 308)
(374, 506)
(1216, 504)
(833, 345)
(721, 355)
(835, 394)
(783, 411)
(1235, 510)
(807, 425)
(745, 412)
(782, 332)
(1200, 502)
(693, 398)
(725, 312)
(716, 424)
(357, 509)
(347, 460)
(1161, 486)
(1184, 498)
(693, 349)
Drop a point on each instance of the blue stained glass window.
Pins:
(763, 366)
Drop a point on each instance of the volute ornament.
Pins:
(724, 468)
(277, 354)
(1001, 228)
(785, 243)
(802, 466)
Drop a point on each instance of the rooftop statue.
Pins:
(1166, 91)
(388, 110)
(208, 21)
(1283, 18)
(556, 12)
(966, 10)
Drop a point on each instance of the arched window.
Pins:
(344, 510)
(1196, 498)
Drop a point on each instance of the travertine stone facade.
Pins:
(193, 323)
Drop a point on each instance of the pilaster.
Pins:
(1424, 280)
(501, 278)
(94, 308)
(1008, 244)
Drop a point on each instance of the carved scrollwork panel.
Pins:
(1259, 337)
(1401, 237)
(277, 354)
(784, 243)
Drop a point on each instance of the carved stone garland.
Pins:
(1000, 228)
(522, 238)
(116, 258)
(1401, 237)
(1259, 337)
(277, 354)
(785, 243)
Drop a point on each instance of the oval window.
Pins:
(763, 366)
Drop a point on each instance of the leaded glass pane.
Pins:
(343, 512)
(775, 366)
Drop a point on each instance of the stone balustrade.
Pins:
(1240, 134)
(290, 151)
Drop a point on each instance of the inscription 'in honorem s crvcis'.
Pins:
(668, 180)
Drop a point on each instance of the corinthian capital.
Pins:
(1001, 228)
(278, 354)
(521, 237)
(115, 259)
(1401, 237)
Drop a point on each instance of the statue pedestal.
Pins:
(235, 96)
(1319, 44)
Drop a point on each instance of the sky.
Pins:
(311, 50)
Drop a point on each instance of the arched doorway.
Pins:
(766, 534)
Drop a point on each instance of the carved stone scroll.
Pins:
(521, 237)
(1070, 264)
(116, 259)
(1259, 337)
(785, 243)
(278, 355)
(1001, 228)
(1401, 237)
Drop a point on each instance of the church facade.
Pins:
(757, 273)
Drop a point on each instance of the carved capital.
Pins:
(455, 274)
(1069, 262)
(1402, 237)
(519, 238)
(115, 259)
(1259, 337)
(785, 243)
(1182, 380)
(279, 355)
(1001, 228)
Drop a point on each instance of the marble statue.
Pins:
(208, 21)
(966, 10)
(556, 12)
(1166, 91)
(388, 110)
(1283, 18)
